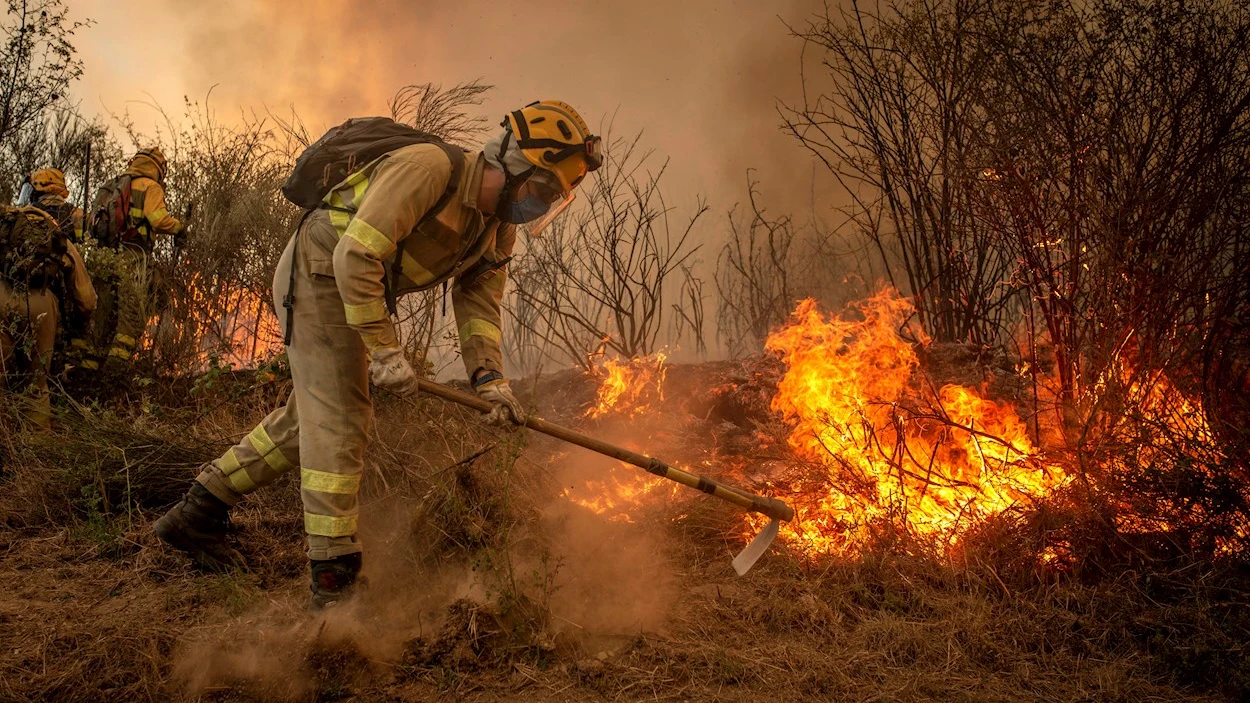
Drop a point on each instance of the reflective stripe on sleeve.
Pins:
(369, 236)
(91, 364)
(479, 328)
(120, 352)
(158, 215)
(326, 482)
(364, 314)
(124, 339)
(327, 526)
(265, 447)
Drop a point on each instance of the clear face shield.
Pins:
(545, 187)
(536, 229)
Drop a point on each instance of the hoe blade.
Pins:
(745, 560)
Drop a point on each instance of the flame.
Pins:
(630, 387)
(890, 452)
(237, 326)
(619, 496)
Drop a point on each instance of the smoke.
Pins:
(701, 79)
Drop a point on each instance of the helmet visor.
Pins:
(544, 185)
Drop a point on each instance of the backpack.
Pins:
(350, 146)
(341, 152)
(111, 224)
(63, 213)
(33, 250)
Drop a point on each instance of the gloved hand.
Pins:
(390, 370)
(497, 391)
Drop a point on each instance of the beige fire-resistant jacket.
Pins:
(147, 201)
(375, 212)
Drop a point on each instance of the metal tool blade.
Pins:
(747, 558)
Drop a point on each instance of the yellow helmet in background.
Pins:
(552, 136)
(49, 181)
(157, 157)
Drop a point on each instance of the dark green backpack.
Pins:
(33, 250)
(349, 147)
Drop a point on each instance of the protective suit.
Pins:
(375, 230)
(28, 329)
(51, 196)
(134, 295)
(340, 318)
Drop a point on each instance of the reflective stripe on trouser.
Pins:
(28, 321)
(330, 372)
(136, 302)
(268, 451)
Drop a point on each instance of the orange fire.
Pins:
(893, 453)
(619, 495)
(629, 387)
(237, 326)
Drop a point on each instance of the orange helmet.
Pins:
(49, 181)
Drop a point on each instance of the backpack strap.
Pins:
(288, 300)
(453, 185)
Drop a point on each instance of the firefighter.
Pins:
(51, 195)
(134, 292)
(32, 301)
(383, 232)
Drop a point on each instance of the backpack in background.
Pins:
(110, 222)
(33, 250)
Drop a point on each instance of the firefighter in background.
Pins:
(409, 220)
(35, 287)
(52, 196)
(134, 291)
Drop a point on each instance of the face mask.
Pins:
(529, 209)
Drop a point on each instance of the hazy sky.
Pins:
(700, 77)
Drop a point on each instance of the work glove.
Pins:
(495, 389)
(390, 370)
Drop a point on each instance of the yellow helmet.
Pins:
(49, 181)
(157, 157)
(552, 136)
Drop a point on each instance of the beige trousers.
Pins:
(324, 427)
(28, 323)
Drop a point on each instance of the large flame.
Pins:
(895, 454)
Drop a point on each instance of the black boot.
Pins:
(334, 581)
(197, 526)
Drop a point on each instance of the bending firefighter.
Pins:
(128, 213)
(41, 274)
(420, 212)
